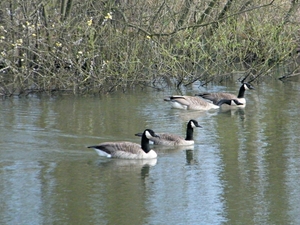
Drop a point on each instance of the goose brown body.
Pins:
(189, 102)
(171, 140)
(124, 150)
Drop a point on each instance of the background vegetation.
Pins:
(100, 46)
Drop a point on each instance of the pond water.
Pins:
(243, 169)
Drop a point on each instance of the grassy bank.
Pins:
(101, 46)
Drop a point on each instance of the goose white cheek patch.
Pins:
(148, 135)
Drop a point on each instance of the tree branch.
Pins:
(200, 25)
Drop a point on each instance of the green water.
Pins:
(243, 169)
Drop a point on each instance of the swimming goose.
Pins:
(173, 139)
(215, 97)
(128, 150)
(189, 102)
(196, 103)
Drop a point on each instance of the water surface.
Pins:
(243, 169)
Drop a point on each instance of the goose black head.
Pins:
(248, 86)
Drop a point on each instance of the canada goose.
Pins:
(189, 102)
(215, 97)
(128, 150)
(173, 139)
(196, 103)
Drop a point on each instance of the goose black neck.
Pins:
(189, 133)
(145, 144)
(241, 92)
(224, 101)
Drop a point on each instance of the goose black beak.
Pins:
(251, 87)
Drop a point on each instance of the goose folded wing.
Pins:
(112, 147)
(180, 99)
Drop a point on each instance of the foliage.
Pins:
(100, 46)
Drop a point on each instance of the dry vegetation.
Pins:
(100, 46)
